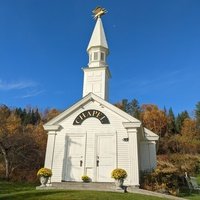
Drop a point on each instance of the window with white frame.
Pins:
(102, 56)
(95, 55)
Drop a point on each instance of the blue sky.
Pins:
(154, 51)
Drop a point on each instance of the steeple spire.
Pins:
(98, 36)
(97, 74)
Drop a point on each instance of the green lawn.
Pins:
(15, 191)
(193, 197)
(198, 179)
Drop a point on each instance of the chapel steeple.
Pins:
(97, 74)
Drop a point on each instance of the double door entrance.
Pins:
(104, 158)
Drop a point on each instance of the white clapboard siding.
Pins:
(147, 155)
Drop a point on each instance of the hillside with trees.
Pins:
(178, 148)
(22, 142)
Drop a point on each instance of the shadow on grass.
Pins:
(29, 195)
(74, 195)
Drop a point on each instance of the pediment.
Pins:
(54, 123)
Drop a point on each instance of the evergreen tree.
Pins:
(27, 117)
(33, 119)
(19, 112)
(180, 119)
(134, 108)
(197, 114)
(171, 124)
(165, 110)
(37, 116)
(125, 105)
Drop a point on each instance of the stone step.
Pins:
(86, 186)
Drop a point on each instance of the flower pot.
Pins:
(119, 183)
(86, 181)
(43, 180)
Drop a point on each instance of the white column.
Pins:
(133, 152)
(49, 156)
(50, 149)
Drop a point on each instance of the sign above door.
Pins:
(91, 113)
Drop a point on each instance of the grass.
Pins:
(16, 191)
(19, 191)
(192, 196)
(198, 179)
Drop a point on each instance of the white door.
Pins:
(105, 158)
(75, 158)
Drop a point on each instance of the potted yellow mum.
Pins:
(44, 174)
(119, 175)
(85, 179)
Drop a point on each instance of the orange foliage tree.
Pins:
(190, 137)
(154, 119)
(10, 127)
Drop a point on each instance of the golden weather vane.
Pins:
(98, 12)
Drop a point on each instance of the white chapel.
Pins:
(93, 137)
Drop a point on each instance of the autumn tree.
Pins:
(190, 137)
(10, 127)
(50, 114)
(32, 155)
(154, 119)
(22, 146)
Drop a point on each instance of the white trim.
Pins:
(105, 67)
(128, 125)
(51, 128)
(149, 135)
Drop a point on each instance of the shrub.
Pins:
(119, 173)
(165, 178)
(44, 172)
(182, 162)
(170, 171)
